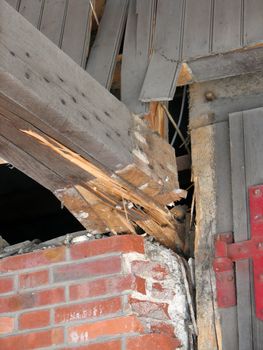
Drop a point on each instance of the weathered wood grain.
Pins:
(55, 112)
(164, 67)
(253, 146)
(197, 28)
(53, 17)
(32, 11)
(136, 53)
(224, 221)
(14, 3)
(253, 26)
(102, 58)
(41, 72)
(240, 228)
(77, 28)
(227, 25)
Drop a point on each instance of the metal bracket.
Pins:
(226, 253)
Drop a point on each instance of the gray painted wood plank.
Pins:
(253, 129)
(253, 24)
(227, 25)
(162, 73)
(31, 10)
(228, 65)
(136, 53)
(224, 221)
(240, 227)
(14, 3)
(52, 20)
(102, 58)
(197, 28)
(76, 34)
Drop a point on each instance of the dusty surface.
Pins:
(204, 178)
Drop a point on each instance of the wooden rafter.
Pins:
(63, 129)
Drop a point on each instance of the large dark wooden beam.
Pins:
(62, 128)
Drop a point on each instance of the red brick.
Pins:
(33, 340)
(152, 341)
(145, 308)
(33, 279)
(140, 285)
(111, 345)
(109, 285)
(88, 269)
(31, 300)
(116, 326)
(121, 244)
(6, 284)
(35, 319)
(89, 310)
(38, 258)
(150, 269)
(6, 325)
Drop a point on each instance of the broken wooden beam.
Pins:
(95, 155)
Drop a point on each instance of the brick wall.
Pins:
(106, 294)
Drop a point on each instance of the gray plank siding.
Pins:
(227, 25)
(14, 3)
(136, 52)
(53, 20)
(246, 157)
(77, 30)
(224, 221)
(32, 10)
(253, 23)
(240, 226)
(253, 145)
(197, 28)
(161, 76)
(102, 58)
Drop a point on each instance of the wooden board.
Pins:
(211, 173)
(205, 196)
(102, 58)
(224, 221)
(205, 34)
(32, 11)
(246, 156)
(240, 224)
(197, 28)
(164, 67)
(253, 25)
(136, 53)
(58, 80)
(53, 111)
(14, 3)
(227, 25)
(230, 95)
(53, 18)
(77, 28)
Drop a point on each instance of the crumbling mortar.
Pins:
(178, 303)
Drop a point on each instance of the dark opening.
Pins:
(179, 110)
(29, 211)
